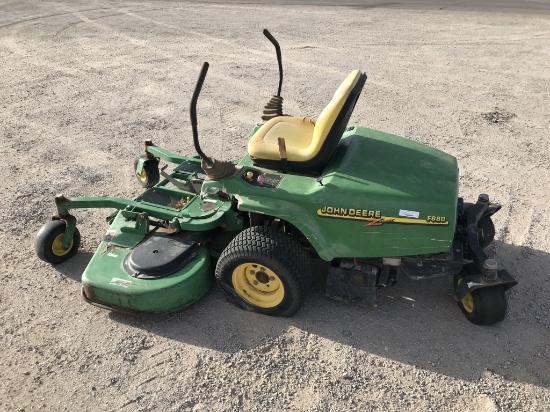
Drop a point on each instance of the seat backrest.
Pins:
(332, 122)
(328, 116)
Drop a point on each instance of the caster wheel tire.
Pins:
(485, 306)
(266, 271)
(486, 227)
(48, 242)
(149, 175)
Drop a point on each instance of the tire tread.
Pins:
(277, 246)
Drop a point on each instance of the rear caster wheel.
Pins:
(485, 306)
(49, 239)
(486, 228)
(266, 271)
(149, 175)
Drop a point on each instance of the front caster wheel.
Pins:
(485, 306)
(148, 174)
(49, 239)
(266, 271)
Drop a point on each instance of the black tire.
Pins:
(486, 233)
(47, 244)
(484, 306)
(260, 257)
(149, 175)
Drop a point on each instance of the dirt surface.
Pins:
(511, 6)
(82, 84)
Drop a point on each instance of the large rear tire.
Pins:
(266, 271)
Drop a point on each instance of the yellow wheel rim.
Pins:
(258, 285)
(467, 301)
(57, 245)
(143, 175)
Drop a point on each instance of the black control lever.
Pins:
(279, 58)
(193, 113)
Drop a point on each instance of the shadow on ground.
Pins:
(74, 267)
(415, 323)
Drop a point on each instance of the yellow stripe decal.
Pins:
(373, 221)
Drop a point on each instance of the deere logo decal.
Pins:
(340, 212)
(375, 218)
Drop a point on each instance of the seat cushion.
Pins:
(304, 137)
(297, 132)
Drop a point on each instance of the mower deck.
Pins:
(162, 278)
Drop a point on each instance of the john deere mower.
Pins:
(373, 205)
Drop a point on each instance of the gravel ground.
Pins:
(84, 83)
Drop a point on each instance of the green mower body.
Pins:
(380, 195)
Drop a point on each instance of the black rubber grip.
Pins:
(198, 87)
(279, 58)
(193, 113)
(271, 38)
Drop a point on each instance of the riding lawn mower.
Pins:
(374, 206)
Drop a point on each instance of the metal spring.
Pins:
(273, 108)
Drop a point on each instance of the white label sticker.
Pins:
(409, 213)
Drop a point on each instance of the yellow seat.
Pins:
(304, 137)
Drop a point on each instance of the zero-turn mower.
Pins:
(374, 205)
